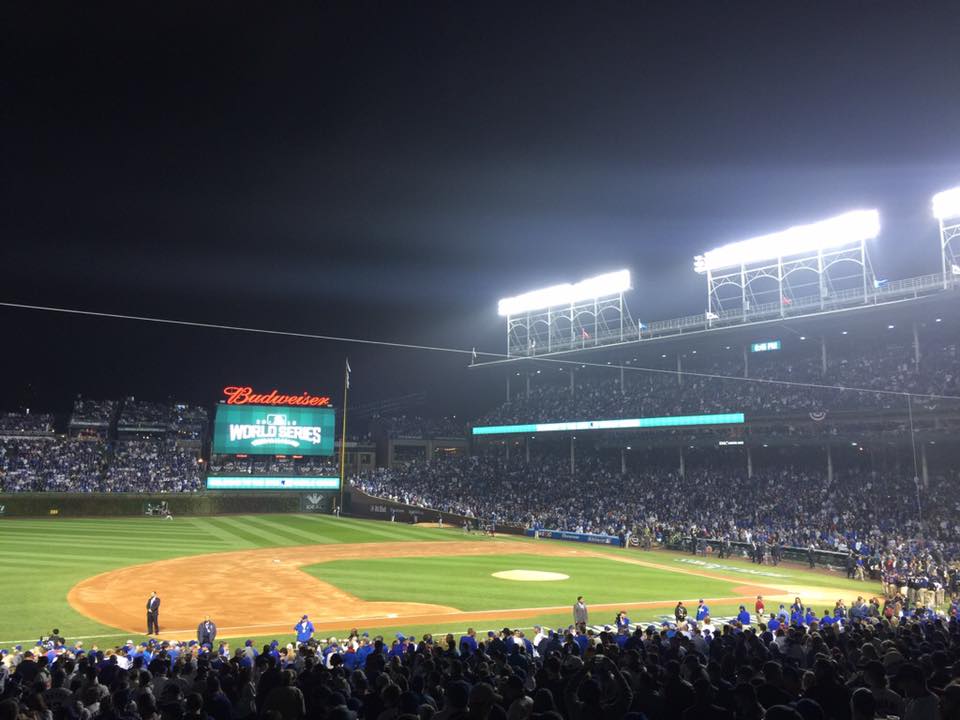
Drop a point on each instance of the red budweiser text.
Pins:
(237, 395)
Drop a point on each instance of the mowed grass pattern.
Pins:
(466, 583)
(41, 559)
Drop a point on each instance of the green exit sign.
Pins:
(765, 346)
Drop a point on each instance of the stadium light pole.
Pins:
(568, 316)
(946, 210)
(813, 247)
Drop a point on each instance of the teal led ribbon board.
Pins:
(272, 483)
(624, 424)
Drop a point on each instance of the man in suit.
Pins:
(206, 632)
(153, 614)
(580, 614)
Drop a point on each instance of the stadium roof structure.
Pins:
(946, 209)
(814, 261)
(803, 271)
(559, 317)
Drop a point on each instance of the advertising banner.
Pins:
(574, 537)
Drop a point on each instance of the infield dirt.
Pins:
(264, 591)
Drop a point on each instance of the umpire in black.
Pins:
(153, 614)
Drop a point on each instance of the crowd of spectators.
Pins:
(26, 424)
(860, 665)
(415, 427)
(93, 412)
(140, 413)
(871, 512)
(51, 464)
(597, 394)
(187, 421)
(153, 465)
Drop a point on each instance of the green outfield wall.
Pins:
(49, 504)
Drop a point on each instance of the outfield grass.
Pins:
(41, 559)
(466, 583)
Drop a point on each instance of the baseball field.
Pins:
(255, 575)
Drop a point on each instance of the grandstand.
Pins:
(817, 435)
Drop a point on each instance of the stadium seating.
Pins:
(597, 394)
(886, 661)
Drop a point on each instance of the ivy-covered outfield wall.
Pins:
(50, 504)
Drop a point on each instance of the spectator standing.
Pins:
(580, 613)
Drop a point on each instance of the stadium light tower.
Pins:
(946, 209)
(803, 268)
(568, 316)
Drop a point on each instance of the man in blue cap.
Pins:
(304, 630)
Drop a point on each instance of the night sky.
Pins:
(389, 170)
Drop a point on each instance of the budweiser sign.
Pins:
(238, 395)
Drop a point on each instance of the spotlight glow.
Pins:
(946, 204)
(846, 229)
(566, 294)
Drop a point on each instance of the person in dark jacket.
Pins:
(207, 632)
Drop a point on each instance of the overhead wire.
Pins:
(473, 353)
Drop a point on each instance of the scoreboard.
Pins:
(272, 430)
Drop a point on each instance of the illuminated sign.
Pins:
(725, 443)
(247, 482)
(628, 423)
(268, 430)
(241, 395)
(765, 346)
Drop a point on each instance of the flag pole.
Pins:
(343, 435)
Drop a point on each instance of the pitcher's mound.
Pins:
(530, 575)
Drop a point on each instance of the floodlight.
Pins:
(595, 287)
(846, 229)
(946, 205)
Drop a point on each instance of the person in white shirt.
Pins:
(708, 626)
(538, 637)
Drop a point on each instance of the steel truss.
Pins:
(580, 325)
(802, 281)
(950, 256)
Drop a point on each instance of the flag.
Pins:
(785, 300)
(879, 283)
(348, 374)
(584, 334)
(712, 316)
(955, 269)
(641, 326)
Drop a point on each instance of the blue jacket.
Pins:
(304, 631)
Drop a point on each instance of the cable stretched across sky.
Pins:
(473, 353)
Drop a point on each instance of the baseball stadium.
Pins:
(783, 455)
(468, 361)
